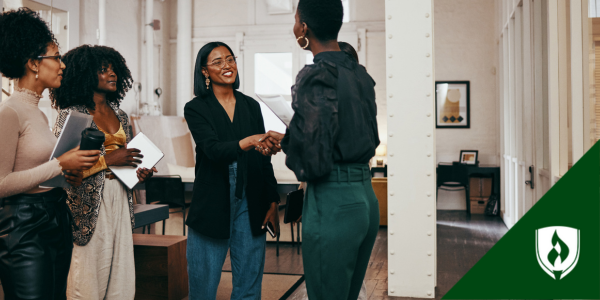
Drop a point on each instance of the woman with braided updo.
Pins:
(95, 81)
(35, 227)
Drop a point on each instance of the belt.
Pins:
(110, 176)
(348, 172)
(52, 196)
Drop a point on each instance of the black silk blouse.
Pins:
(334, 117)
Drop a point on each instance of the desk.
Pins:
(486, 171)
(483, 170)
(146, 214)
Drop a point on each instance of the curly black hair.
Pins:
(23, 36)
(323, 17)
(80, 77)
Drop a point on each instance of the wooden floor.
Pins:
(462, 241)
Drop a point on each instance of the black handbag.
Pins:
(293, 207)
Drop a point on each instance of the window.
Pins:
(273, 76)
(309, 58)
(346, 5)
(273, 73)
(6, 88)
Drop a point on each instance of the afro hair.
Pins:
(24, 36)
(80, 77)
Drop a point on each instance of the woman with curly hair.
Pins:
(35, 233)
(95, 81)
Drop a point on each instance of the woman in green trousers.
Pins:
(328, 144)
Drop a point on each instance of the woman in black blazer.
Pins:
(235, 191)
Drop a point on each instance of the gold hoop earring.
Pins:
(207, 83)
(307, 42)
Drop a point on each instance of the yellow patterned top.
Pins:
(111, 143)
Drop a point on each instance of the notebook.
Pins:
(152, 155)
(69, 138)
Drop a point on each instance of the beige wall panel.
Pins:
(465, 48)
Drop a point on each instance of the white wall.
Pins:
(125, 33)
(465, 49)
(246, 26)
(212, 22)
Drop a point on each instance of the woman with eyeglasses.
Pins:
(235, 191)
(96, 80)
(35, 223)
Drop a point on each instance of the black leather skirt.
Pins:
(35, 245)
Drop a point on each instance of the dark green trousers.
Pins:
(340, 223)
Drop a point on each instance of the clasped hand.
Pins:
(267, 144)
(270, 143)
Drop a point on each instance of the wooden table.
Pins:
(146, 214)
(160, 267)
(380, 189)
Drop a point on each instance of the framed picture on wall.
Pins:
(452, 104)
(468, 157)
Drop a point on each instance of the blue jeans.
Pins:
(206, 255)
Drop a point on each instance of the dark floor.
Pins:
(462, 241)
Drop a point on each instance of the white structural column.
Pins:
(411, 171)
(101, 22)
(577, 88)
(149, 19)
(184, 54)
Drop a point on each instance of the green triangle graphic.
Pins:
(510, 269)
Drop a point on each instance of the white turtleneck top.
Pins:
(26, 144)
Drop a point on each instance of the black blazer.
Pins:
(216, 149)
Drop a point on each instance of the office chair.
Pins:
(167, 190)
(453, 178)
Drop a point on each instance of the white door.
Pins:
(525, 110)
(270, 67)
(526, 162)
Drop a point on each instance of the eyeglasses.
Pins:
(221, 63)
(57, 57)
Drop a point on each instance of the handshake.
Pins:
(267, 144)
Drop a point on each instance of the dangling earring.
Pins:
(207, 83)
(307, 42)
(36, 75)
